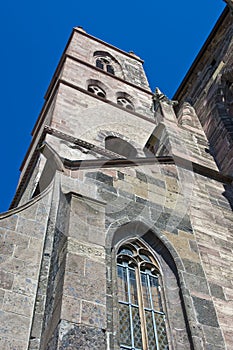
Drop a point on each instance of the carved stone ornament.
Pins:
(159, 97)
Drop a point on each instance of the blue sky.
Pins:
(167, 35)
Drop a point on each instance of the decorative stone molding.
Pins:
(159, 97)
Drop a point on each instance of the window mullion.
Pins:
(141, 309)
(130, 307)
(152, 311)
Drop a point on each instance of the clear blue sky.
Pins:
(166, 34)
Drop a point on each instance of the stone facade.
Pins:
(110, 162)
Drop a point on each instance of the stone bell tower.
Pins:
(119, 234)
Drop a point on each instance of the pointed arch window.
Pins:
(142, 322)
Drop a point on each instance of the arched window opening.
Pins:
(108, 63)
(120, 146)
(96, 90)
(105, 64)
(141, 315)
(124, 102)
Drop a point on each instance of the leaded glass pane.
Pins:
(133, 287)
(145, 257)
(145, 291)
(126, 251)
(154, 286)
(161, 331)
(122, 283)
(137, 333)
(124, 319)
(150, 330)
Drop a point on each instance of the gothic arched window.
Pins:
(141, 315)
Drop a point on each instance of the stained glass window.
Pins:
(142, 321)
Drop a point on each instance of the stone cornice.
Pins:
(129, 54)
(179, 162)
(77, 165)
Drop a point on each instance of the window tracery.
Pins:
(141, 315)
(96, 90)
(124, 102)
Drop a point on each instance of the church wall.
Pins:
(178, 212)
(208, 86)
(22, 240)
(159, 202)
(211, 217)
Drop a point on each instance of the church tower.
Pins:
(120, 232)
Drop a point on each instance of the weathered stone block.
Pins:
(71, 309)
(98, 176)
(90, 286)
(75, 264)
(18, 303)
(24, 285)
(217, 291)
(31, 228)
(6, 280)
(11, 343)
(9, 222)
(93, 314)
(193, 268)
(80, 337)
(19, 240)
(14, 326)
(205, 311)
(196, 284)
(6, 248)
(213, 336)
(90, 250)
